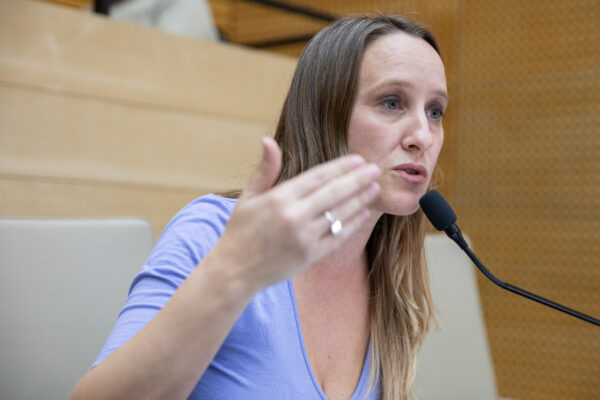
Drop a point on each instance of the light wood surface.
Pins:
(67, 50)
(100, 117)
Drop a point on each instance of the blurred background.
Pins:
(104, 117)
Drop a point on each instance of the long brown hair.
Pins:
(311, 130)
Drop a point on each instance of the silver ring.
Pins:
(336, 224)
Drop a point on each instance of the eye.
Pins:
(391, 103)
(435, 112)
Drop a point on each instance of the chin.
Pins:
(400, 204)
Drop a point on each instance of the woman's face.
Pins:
(396, 121)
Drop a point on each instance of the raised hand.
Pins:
(275, 232)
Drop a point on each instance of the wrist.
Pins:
(228, 279)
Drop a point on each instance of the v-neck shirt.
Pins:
(264, 355)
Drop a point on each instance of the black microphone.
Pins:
(441, 216)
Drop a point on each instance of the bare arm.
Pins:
(168, 356)
(272, 234)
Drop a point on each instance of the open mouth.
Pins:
(412, 169)
(413, 173)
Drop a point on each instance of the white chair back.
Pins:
(454, 362)
(62, 284)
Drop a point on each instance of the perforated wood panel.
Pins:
(528, 183)
(248, 22)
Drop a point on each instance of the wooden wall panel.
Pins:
(101, 118)
(63, 49)
(36, 196)
(84, 138)
(526, 187)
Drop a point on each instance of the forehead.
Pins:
(400, 56)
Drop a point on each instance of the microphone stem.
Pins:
(454, 233)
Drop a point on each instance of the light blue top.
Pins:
(264, 356)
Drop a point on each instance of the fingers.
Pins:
(316, 177)
(344, 186)
(347, 187)
(349, 227)
(347, 199)
(345, 195)
(268, 170)
(346, 210)
(355, 204)
(279, 231)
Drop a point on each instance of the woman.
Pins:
(317, 287)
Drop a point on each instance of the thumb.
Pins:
(268, 170)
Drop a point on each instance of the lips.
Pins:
(414, 173)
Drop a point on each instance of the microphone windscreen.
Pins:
(437, 210)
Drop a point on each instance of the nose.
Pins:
(418, 136)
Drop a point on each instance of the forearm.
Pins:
(272, 234)
(168, 356)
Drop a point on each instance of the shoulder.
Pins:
(211, 211)
(193, 231)
(209, 203)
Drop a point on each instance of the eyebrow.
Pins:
(403, 84)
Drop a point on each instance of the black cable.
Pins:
(309, 12)
(455, 234)
(443, 218)
(102, 6)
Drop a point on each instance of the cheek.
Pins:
(438, 148)
(366, 138)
